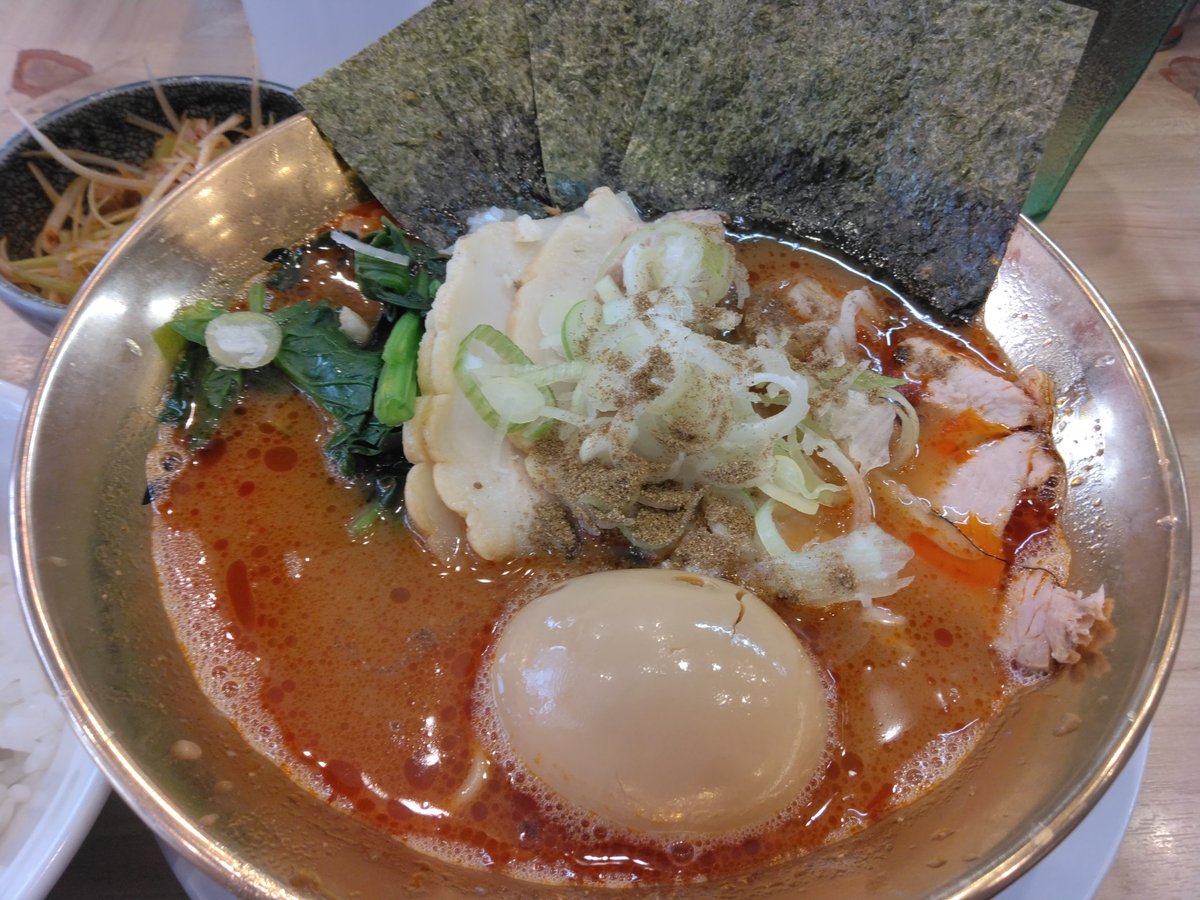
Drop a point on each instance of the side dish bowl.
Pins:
(96, 123)
(89, 581)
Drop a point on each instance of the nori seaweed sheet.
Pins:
(906, 134)
(438, 117)
(591, 63)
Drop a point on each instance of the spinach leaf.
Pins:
(340, 377)
(407, 287)
(201, 392)
(291, 268)
(320, 360)
(384, 502)
(192, 320)
(396, 392)
(350, 450)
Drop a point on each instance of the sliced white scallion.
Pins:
(789, 485)
(515, 401)
(353, 326)
(910, 427)
(808, 481)
(770, 428)
(768, 531)
(677, 254)
(353, 243)
(864, 511)
(243, 340)
(503, 401)
(579, 322)
(606, 289)
(538, 376)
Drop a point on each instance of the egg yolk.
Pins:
(665, 702)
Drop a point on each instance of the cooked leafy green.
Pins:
(291, 263)
(397, 388)
(410, 287)
(320, 360)
(201, 392)
(368, 391)
(375, 445)
(385, 500)
(340, 377)
(191, 321)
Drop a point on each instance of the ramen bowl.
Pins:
(84, 555)
(97, 124)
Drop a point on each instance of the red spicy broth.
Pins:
(351, 661)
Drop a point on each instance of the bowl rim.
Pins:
(1169, 633)
(155, 808)
(47, 310)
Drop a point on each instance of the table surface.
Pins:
(1130, 219)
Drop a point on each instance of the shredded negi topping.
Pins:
(662, 417)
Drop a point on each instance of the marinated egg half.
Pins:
(666, 702)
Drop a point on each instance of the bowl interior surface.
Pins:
(97, 123)
(84, 553)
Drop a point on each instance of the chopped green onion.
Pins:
(353, 326)
(768, 531)
(788, 486)
(243, 340)
(607, 290)
(580, 320)
(910, 427)
(495, 398)
(869, 380)
(353, 243)
(516, 401)
(191, 321)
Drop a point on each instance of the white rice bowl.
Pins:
(50, 790)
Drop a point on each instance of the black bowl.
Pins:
(97, 123)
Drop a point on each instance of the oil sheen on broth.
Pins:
(352, 661)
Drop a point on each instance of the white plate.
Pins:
(44, 835)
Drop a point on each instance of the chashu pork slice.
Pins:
(565, 271)
(958, 383)
(981, 494)
(1045, 623)
(476, 474)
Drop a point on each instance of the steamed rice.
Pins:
(31, 721)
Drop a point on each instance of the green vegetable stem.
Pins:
(396, 391)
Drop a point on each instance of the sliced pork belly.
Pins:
(565, 270)
(1046, 623)
(980, 495)
(475, 472)
(481, 285)
(428, 514)
(705, 218)
(958, 383)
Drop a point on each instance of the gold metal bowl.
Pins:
(83, 550)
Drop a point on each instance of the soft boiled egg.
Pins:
(665, 702)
